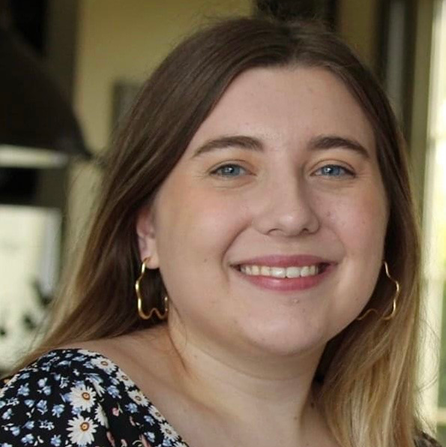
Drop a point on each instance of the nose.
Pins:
(286, 210)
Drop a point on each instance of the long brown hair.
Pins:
(368, 380)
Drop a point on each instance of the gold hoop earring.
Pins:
(392, 313)
(154, 311)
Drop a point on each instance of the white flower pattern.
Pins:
(139, 398)
(169, 433)
(82, 396)
(104, 364)
(156, 414)
(81, 431)
(124, 378)
(100, 416)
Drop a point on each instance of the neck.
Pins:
(248, 387)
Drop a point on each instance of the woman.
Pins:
(253, 266)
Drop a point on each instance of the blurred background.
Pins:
(69, 70)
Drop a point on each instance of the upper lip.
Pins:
(285, 261)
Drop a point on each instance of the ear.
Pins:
(145, 231)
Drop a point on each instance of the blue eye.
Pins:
(333, 171)
(229, 170)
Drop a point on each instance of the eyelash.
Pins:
(219, 170)
(346, 172)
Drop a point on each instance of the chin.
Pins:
(281, 341)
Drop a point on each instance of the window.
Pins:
(435, 212)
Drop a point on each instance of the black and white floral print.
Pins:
(79, 398)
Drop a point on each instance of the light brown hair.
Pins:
(367, 372)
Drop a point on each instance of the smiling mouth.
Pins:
(283, 272)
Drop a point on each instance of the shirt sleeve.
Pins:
(52, 408)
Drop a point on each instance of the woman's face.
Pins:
(269, 232)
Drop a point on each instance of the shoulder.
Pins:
(57, 400)
(58, 370)
(78, 397)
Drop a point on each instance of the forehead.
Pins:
(292, 103)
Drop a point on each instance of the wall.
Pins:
(125, 40)
(358, 25)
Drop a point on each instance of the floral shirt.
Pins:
(75, 397)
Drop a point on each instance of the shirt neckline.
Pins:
(119, 373)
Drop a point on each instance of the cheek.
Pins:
(360, 222)
(198, 223)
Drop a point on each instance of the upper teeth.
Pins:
(280, 272)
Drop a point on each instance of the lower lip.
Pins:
(286, 284)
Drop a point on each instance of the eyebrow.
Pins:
(322, 142)
(241, 141)
(332, 142)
